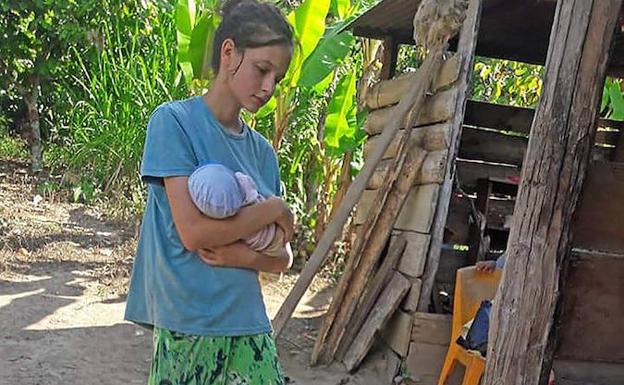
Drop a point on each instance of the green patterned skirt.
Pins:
(183, 359)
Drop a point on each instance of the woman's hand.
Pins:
(285, 220)
(236, 254)
(486, 266)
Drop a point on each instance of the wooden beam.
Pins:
(389, 59)
(561, 138)
(465, 50)
(492, 146)
(385, 306)
(618, 153)
(381, 279)
(468, 172)
(593, 315)
(390, 197)
(599, 219)
(405, 112)
(498, 116)
(518, 120)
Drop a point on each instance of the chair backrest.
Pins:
(471, 287)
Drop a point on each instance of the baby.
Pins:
(219, 193)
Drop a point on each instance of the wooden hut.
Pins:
(472, 178)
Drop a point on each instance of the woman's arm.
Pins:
(238, 254)
(199, 231)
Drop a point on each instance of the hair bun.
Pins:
(230, 5)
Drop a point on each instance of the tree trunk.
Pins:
(31, 100)
(555, 164)
(344, 181)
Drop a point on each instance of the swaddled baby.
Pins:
(219, 193)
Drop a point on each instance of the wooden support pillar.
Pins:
(618, 153)
(559, 147)
(477, 243)
(465, 50)
(390, 56)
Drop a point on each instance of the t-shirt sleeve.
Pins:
(168, 150)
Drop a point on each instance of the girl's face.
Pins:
(253, 74)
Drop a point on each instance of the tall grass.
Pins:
(112, 98)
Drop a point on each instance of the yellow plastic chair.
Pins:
(471, 287)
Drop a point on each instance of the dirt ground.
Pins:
(64, 270)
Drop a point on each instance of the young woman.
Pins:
(194, 281)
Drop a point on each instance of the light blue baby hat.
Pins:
(215, 191)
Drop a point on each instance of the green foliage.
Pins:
(612, 104)
(308, 21)
(342, 132)
(506, 82)
(36, 35)
(329, 53)
(185, 11)
(11, 148)
(112, 96)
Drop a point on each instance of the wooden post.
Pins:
(390, 56)
(479, 248)
(552, 176)
(465, 50)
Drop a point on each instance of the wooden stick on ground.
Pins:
(417, 96)
(436, 24)
(352, 196)
(381, 279)
(385, 306)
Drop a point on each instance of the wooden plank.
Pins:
(465, 50)
(385, 306)
(380, 280)
(498, 147)
(388, 92)
(398, 331)
(523, 315)
(416, 213)
(419, 208)
(389, 58)
(599, 220)
(430, 138)
(593, 310)
(469, 171)
(412, 262)
(432, 170)
(448, 74)
(438, 108)
(518, 120)
(424, 362)
(368, 248)
(363, 206)
(378, 225)
(570, 372)
(492, 146)
(406, 111)
(499, 214)
(498, 116)
(618, 153)
(410, 303)
(432, 328)
(478, 242)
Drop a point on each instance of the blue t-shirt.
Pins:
(172, 287)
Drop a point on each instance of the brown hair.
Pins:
(250, 24)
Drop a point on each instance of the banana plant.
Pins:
(195, 27)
